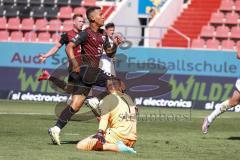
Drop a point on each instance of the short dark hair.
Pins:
(110, 25)
(90, 10)
(77, 15)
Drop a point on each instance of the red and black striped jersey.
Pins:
(66, 38)
(92, 44)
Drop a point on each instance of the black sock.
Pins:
(65, 116)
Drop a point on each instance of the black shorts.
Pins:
(81, 83)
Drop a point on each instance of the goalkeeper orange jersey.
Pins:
(118, 113)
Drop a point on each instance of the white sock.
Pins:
(218, 110)
(57, 129)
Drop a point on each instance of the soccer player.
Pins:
(78, 22)
(106, 63)
(224, 106)
(86, 73)
(118, 113)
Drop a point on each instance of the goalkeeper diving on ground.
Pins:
(117, 126)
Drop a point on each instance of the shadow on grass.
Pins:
(69, 142)
(65, 142)
(218, 138)
(233, 138)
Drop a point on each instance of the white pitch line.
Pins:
(71, 134)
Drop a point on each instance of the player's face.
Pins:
(98, 18)
(78, 23)
(110, 31)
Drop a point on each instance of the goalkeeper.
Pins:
(118, 113)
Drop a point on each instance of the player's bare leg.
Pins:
(223, 107)
(67, 113)
(90, 143)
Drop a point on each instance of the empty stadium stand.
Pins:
(212, 25)
(190, 22)
(40, 20)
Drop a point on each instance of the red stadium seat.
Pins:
(67, 25)
(55, 25)
(228, 45)
(222, 32)
(232, 18)
(89, 3)
(235, 32)
(217, 18)
(41, 24)
(3, 23)
(212, 44)
(198, 43)
(27, 24)
(227, 5)
(13, 23)
(30, 37)
(65, 13)
(4, 35)
(237, 5)
(56, 37)
(44, 37)
(16, 36)
(79, 10)
(207, 31)
(238, 44)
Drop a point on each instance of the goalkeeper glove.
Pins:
(100, 136)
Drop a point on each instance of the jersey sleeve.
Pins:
(107, 43)
(64, 39)
(109, 49)
(108, 103)
(80, 38)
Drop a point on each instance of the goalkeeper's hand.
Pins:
(100, 136)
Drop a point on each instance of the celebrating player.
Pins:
(119, 113)
(86, 73)
(224, 106)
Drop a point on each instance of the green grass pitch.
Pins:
(175, 134)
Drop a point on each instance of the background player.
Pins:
(78, 22)
(106, 62)
(118, 111)
(224, 106)
(92, 40)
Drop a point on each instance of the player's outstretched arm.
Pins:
(56, 47)
(51, 52)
